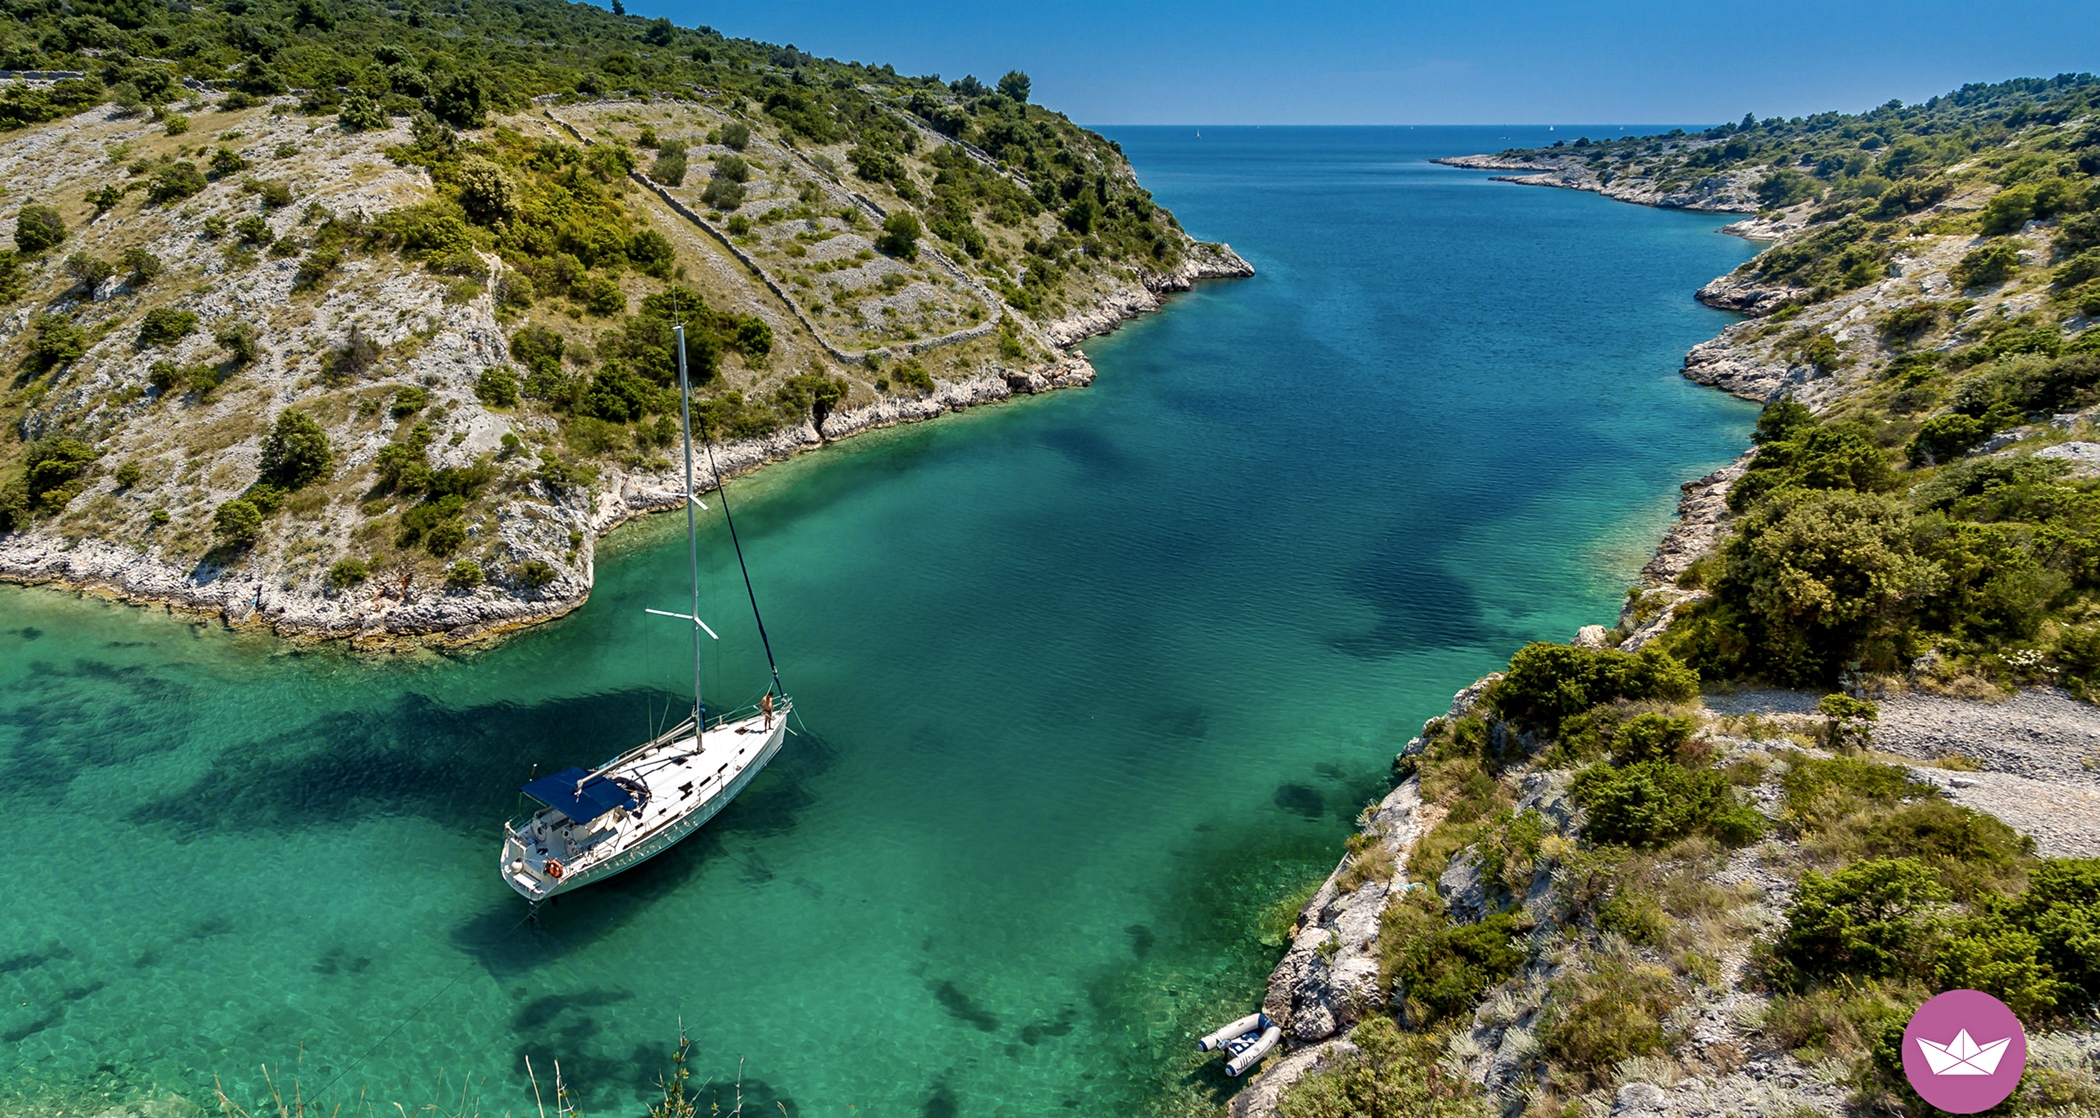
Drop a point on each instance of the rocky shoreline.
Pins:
(1728, 192)
(1204, 261)
(405, 617)
(2029, 760)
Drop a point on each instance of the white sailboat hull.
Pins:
(689, 782)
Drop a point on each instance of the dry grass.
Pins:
(1369, 859)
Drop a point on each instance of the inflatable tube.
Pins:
(1251, 1023)
(1251, 1055)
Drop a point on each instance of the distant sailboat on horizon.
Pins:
(602, 821)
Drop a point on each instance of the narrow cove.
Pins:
(1088, 681)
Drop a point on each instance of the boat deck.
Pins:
(680, 780)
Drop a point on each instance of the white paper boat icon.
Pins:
(1963, 1056)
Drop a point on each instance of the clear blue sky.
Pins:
(1447, 62)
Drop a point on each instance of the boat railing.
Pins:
(781, 707)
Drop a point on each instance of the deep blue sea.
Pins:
(1089, 681)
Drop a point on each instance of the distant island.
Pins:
(356, 323)
(1837, 753)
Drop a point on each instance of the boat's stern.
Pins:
(523, 872)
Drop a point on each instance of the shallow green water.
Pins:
(1088, 680)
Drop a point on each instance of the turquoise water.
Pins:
(1088, 681)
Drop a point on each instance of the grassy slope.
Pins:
(1024, 219)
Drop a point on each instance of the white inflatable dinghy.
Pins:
(1248, 1039)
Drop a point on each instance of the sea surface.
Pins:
(1085, 683)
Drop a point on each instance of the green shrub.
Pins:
(174, 124)
(175, 182)
(237, 523)
(1987, 266)
(165, 326)
(1651, 737)
(418, 522)
(900, 235)
(1872, 919)
(360, 113)
(105, 198)
(239, 340)
(755, 338)
(1944, 438)
(1634, 917)
(670, 165)
(444, 537)
(2002, 961)
(296, 453)
(534, 574)
(1810, 581)
(1819, 791)
(2061, 908)
(89, 271)
(140, 267)
(1437, 968)
(53, 470)
(1392, 1074)
(1908, 322)
(736, 135)
(348, 572)
(1784, 188)
(408, 400)
(38, 228)
(59, 342)
(723, 194)
(2077, 270)
(1974, 854)
(130, 474)
(912, 374)
(1654, 803)
(1848, 717)
(497, 386)
(652, 254)
(226, 161)
(1548, 683)
(273, 193)
(402, 467)
(253, 230)
(1802, 454)
(463, 575)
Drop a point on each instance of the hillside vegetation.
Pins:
(361, 316)
(1614, 899)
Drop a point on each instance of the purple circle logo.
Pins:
(1964, 1051)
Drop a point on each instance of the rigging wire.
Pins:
(723, 496)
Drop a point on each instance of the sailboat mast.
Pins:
(692, 534)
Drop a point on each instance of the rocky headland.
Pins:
(2030, 759)
(382, 351)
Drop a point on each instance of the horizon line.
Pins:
(1318, 124)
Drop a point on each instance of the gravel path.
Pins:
(2040, 752)
(2063, 821)
(2044, 735)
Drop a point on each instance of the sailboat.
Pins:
(595, 823)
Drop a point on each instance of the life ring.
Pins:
(554, 869)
